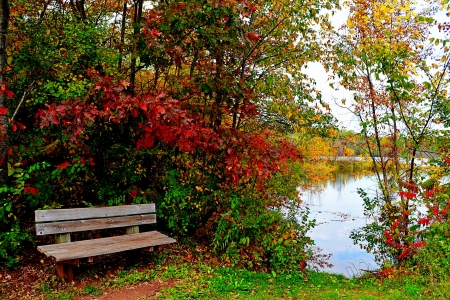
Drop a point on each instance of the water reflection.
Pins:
(338, 210)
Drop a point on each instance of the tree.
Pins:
(398, 80)
(4, 128)
(187, 134)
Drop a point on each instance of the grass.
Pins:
(226, 283)
(200, 281)
(201, 278)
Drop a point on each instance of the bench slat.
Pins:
(67, 214)
(93, 224)
(87, 248)
(101, 241)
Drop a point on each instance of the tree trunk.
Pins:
(122, 35)
(4, 126)
(78, 7)
(137, 30)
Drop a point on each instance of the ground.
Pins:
(35, 278)
(191, 272)
(147, 290)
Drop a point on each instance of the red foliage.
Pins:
(133, 194)
(4, 90)
(408, 195)
(3, 110)
(424, 221)
(404, 254)
(420, 244)
(395, 224)
(390, 242)
(165, 121)
(387, 235)
(435, 210)
(430, 193)
(63, 165)
(31, 190)
(253, 36)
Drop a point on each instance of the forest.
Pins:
(207, 109)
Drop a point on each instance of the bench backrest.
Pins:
(57, 221)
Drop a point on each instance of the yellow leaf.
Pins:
(350, 23)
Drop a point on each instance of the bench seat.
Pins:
(88, 248)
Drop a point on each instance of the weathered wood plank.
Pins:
(87, 248)
(103, 241)
(68, 214)
(93, 224)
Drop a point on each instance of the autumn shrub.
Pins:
(433, 261)
(410, 237)
(254, 234)
(251, 223)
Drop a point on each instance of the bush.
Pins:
(433, 260)
(11, 244)
(250, 227)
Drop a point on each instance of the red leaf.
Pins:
(389, 242)
(424, 221)
(31, 190)
(403, 254)
(387, 235)
(62, 166)
(420, 244)
(435, 210)
(3, 110)
(253, 36)
(9, 94)
(394, 225)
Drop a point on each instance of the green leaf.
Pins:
(10, 170)
(414, 227)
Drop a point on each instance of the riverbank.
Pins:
(184, 272)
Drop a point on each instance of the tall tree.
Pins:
(4, 126)
(384, 58)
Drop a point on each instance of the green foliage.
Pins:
(186, 136)
(370, 236)
(11, 241)
(255, 235)
(249, 228)
(434, 259)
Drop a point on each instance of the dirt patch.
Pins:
(143, 290)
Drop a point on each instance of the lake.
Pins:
(338, 210)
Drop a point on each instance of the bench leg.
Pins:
(64, 271)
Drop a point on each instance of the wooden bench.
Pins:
(61, 222)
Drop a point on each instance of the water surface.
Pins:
(338, 210)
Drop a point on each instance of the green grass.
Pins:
(201, 281)
(226, 283)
